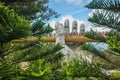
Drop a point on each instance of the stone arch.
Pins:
(82, 28)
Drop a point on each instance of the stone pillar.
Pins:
(60, 34)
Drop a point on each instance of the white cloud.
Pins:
(71, 19)
(76, 2)
(99, 29)
(52, 24)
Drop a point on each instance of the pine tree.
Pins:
(13, 26)
(106, 14)
(44, 63)
(32, 9)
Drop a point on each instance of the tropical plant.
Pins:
(43, 58)
(32, 9)
(114, 44)
(78, 69)
(8, 71)
(38, 69)
(106, 14)
(40, 28)
(95, 35)
(115, 76)
(13, 27)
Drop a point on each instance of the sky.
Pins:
(75, 8)
(72, 10)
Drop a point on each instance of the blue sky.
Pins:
(72, 10)
(75, 8)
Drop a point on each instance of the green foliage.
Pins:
(37, 70)
(44, 66)
(6, 70)
(115, 76)
(16, 53)
(39, 28)
(112, 5)
(91, 48)
(34, 51)
(112, 39)
(114, 43)
(32, 9)
(82, 68)
(12, 26)
(112, 33)
(73, 70)
(107, 14)
(44, 61)
(103, 18)
(95, 35)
